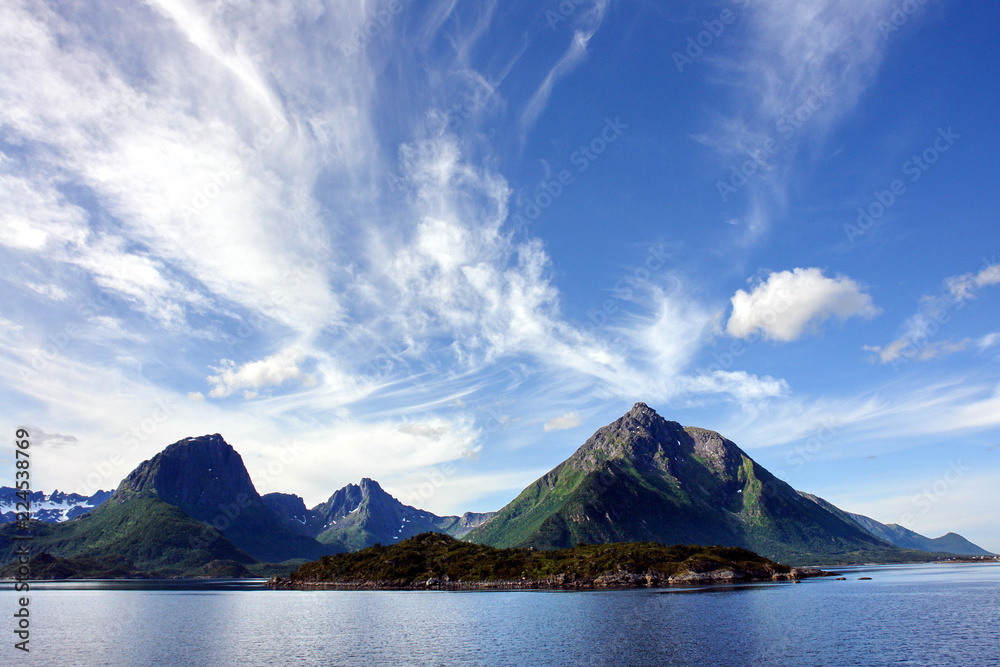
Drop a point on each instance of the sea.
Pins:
(931, 615)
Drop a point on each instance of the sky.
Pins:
(439, 244)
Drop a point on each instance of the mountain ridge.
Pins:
(192, 509)
(644, 478)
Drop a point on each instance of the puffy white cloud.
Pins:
(253, 376)
(788, 302)
(563, 422)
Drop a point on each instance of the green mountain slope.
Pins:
(643, 478)
(150, 534)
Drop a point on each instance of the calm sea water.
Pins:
(933, 615)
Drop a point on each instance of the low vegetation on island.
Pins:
(434, 560)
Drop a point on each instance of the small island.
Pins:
(437, 561)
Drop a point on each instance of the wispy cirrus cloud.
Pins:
(589, 21)
(800, 69)
(916, 339)
(174, 178)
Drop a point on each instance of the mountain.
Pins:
(645, 479)
(191, 509)
(292, 511)
(360, 515)
(892, 533)
(50, 508)
(206, 479)
(144, 532)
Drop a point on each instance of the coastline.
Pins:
(617, 580)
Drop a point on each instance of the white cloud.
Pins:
(893, 415)
(254, 376)
(214, 202)
(424, 430)
(53, 440)
(36, 216)
(745, 387)
(48, 290)
(988, 341)
(796, 72)
(915, 342)
(577, 50)
(563, 422)
(965, 286)
(788, 302)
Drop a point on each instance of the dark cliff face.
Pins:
(349, 499)
(205, 477)
(200, 475)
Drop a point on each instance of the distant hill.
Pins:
(360, 515)
(49, 507)
(643, 478)
(434, 560)
(904, 537)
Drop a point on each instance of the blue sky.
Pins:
(439, 244)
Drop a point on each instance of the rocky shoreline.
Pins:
(615, 580)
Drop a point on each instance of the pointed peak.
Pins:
(645, 415)
(369, 487)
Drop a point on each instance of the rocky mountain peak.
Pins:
(370, 487)
(198, 474)
(639, 434)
